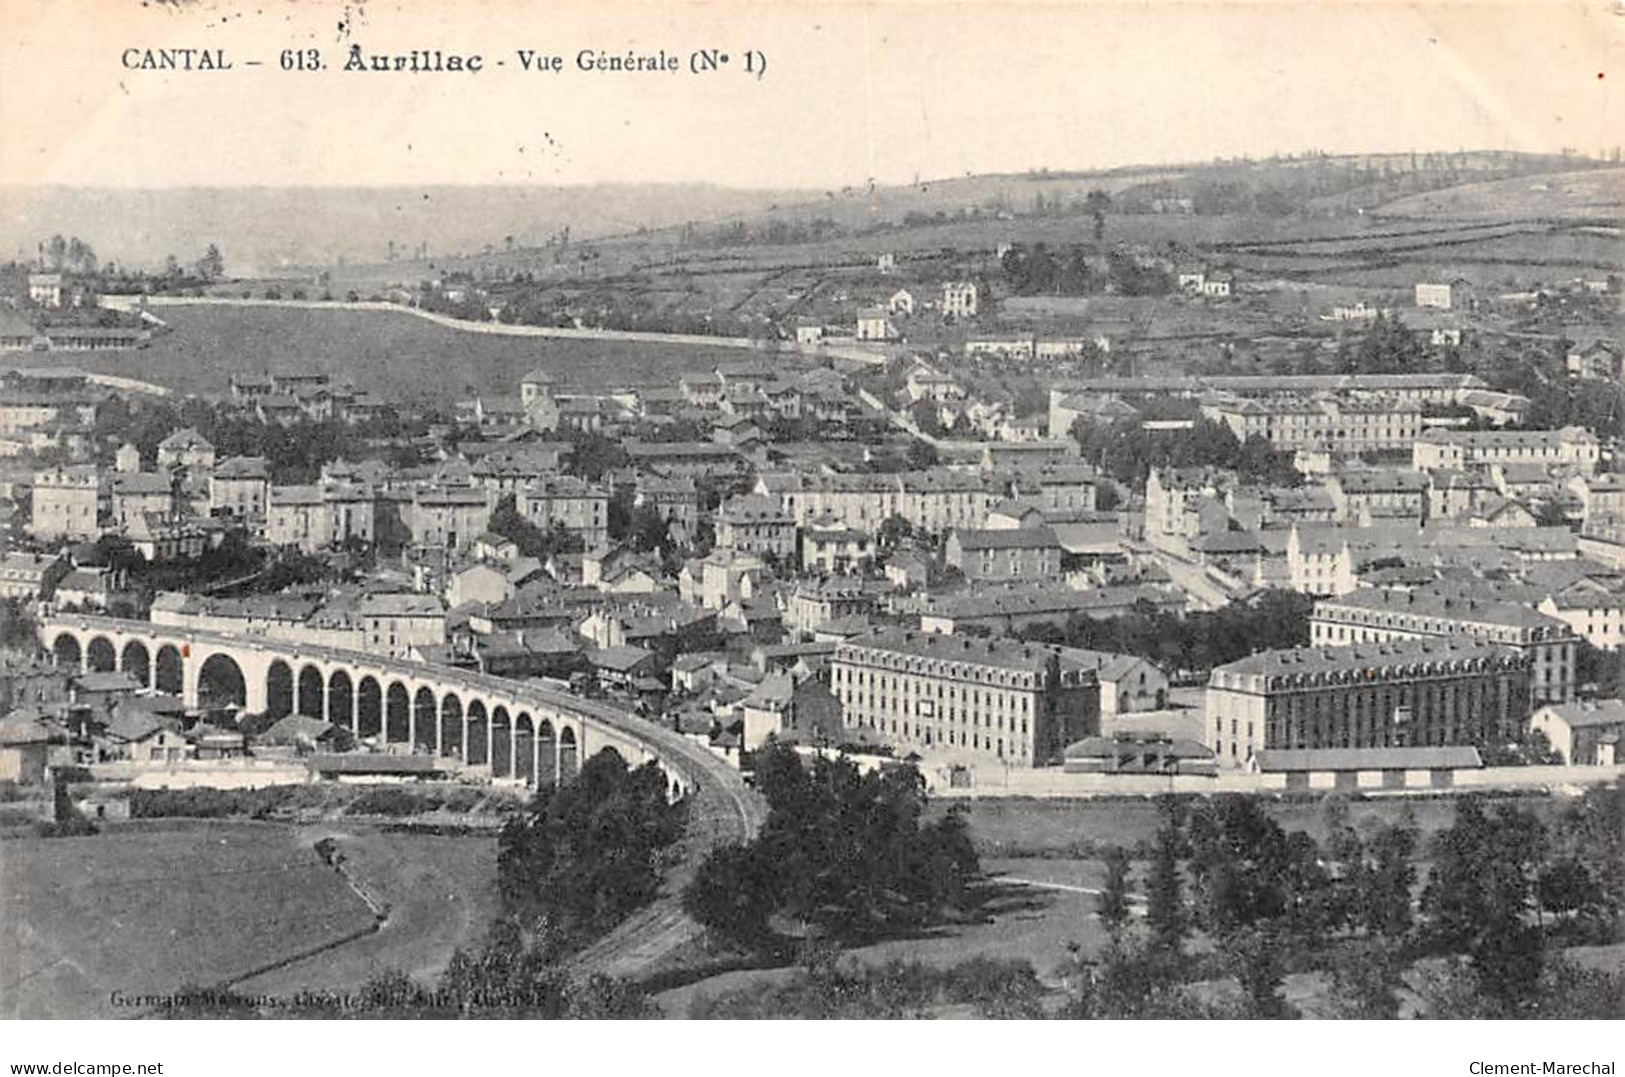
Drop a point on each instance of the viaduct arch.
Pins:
(499, 727)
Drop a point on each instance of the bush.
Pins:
(75, 827)
(394, 801)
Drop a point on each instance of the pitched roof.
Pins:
(28, 727)
(619, 659)
(1012, 538)
(297, 729)
(110, 681)
(242, 467)
(1599, 712)
(1362, 656)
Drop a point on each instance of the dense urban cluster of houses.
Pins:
(800, 589)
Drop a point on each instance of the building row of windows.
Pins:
(954, 738)
(898, 683)
(854, 700)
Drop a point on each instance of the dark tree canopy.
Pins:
(842, 852)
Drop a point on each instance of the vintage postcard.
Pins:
(749, 510)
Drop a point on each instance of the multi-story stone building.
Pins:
(397, 624)
(1177, 499)
(755, 524)
(1370, 615)
(566, 503)
(140, 492)
(1415, 388)
(692, 459)
(1017, 553)
(1348, 424)
(508, 470)
(814, 603)
(932, 501)
(448, 517)
(1572, 446)
(1403, 693)
(1056, 488)
(23, 408)
(828, 547)
(1000, 700)
(720, 578)
(239, 486)
(393, 624)
(1362, 497)
(959, 299)
(29, 576)
(676, 500)
(318, 517)
(67, 503)
(187, 449)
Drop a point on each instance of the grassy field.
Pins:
(400, 356)
(441, 892)
(1489, 257)
(1598, 193)
(146, 910)
(1025, 924)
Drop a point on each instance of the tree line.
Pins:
(1480, 938)
(1034, 269)
(1126, 452)
(1198, 641)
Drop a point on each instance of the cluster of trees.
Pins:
(1248, 187)
(842, 855)
(18, 629)
(580, 858)
(1556, 400)
(1128, 453)
(533, 541)
(1386, 347)
(1275, 902)
(1036, 270)
(1273, 620)
(1604, 669)
(1504, 886)
(595, 455)
(212, 266)
(295, 453)
(770, 233)
(68, 255)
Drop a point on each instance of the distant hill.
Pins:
(262, 230)
(268, 232)
(1568, 195)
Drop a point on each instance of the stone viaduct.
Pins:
(513, 728)
(503, 728)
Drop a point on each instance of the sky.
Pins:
(852, 92)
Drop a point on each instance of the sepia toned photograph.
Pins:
(794, 510)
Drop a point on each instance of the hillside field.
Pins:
(397, 355)
(442, 894)
(141, 910)
(1589, 194)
